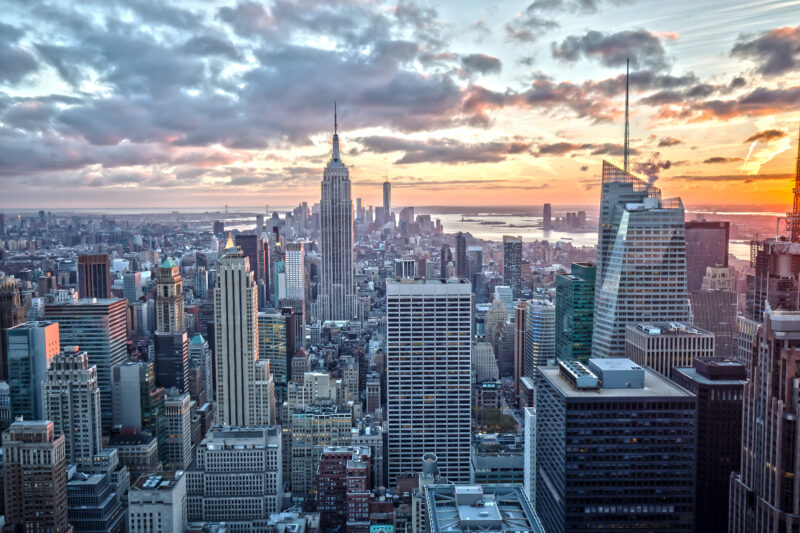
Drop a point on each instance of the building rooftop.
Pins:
(160, 481)
(491, 507)
(667, 329)
(655, 386)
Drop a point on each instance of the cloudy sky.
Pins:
(176, 103)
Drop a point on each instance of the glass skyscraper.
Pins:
(641, 260)
(575, 312)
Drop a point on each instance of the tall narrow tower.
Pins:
(169, 297)
(795, 214)
(337, 299)
(171, 340)
(387, 199)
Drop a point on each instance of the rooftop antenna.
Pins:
(335, 119)
(627, 127)
(795, 221)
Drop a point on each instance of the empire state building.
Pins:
(337, 298)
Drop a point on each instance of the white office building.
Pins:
(157, 503)
(428, 365)
(177, 407)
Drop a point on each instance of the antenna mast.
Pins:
(627, 127)
(335, 119)
(796, 205)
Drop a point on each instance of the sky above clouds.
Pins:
(138, 103)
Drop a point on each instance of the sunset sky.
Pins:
(206, 103)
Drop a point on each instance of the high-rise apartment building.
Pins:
(94, 276)
(462, 267)
(575, 312)
(540, 337)
(237, 477)
(35, 478)
(593, 472)
(31, 348)
(764, 495)
(663, 346)
(236, 337)
(12, 313)
(178, 422)
(98, 327)
(72, 402)
(337, 295)
(428, 360)
(706, 246)
(718, 387)
(512, 264)
(641, 260)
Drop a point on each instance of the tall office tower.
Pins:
(295, 268)
(99, 327)
(462, 267)
(94, 276)
(428, 360)
(255, 248)
(747, 334)
(512, 264)
(31, 348)
(764, 495)
(547, 214)
(635, 223)
(178, 415)
(343, 489)
(718, 386)
(642, 477)
(445, 258)
(200, 358)
(529, 427)
(169, 298)
(35, 478)
(474, 260)
(484, 364)
(663, 346)
(575, 312)
(12, 313)
(236, 337)
(219, 227)
(237, 477)
(158, 503)
(316, 427)
(139, 403)
(706, 246)
(201, 283)
(272, 347)
(72, 402)
(540, 337)
(132, 286)
(387, 201)
(337, 298)
(520, 322)
(716, 311)
(776, 266)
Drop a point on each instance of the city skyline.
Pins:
(223, 102)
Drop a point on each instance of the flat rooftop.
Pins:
(665, 329)
(490, 507)
(161, 481)
(655, 386)
(694, 375)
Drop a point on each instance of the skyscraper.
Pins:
(540, 336)
(428, 365)
(178, 423)
(12, 313)
(706, 246)
(764, 495)
(72, 402)
(512, 263)
(132, 286)
(295, 270)
(615, 448)
(663, 346)
(97, 326)
(35, 478)
(169, 298)
(520, 322)
(547, 214)
(236, 337)
(94, 276)
(255, 248)
(31, 348)
(139, 403)
(462, 267)
(575, 312)
(200, 357)
(445, 258)
(641, 260)
(337, 298)
(387, 200)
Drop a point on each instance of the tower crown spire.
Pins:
(335, 157)
(627, 127)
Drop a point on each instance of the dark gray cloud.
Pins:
(15, 61)
(480, 64)
(766, 136)
(720, 159)
(776, 52)
(211, 46)
(732, 177)
(447, 151)
(664, 142)
(643, 48)
(652, 167)
(563, 148)
(759, 102)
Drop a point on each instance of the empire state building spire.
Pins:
(335, 157)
